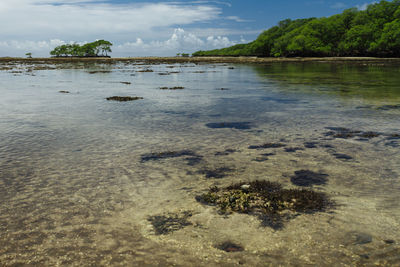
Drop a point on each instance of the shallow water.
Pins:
(80, 180)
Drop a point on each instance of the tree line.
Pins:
(94, 49)
(371, 32)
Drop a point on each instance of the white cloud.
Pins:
(338, 5)
(77, 19)
(365, 5)
(237, 19)
(180, 41)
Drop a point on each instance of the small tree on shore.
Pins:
(29, 55)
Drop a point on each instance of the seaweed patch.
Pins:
(123, 98)
(229, 246)
(217, 173)
(170, 222)
(344, 133)
(308, 178)
(232, 125)
(266, 200)
(267, 145)
(168, 154)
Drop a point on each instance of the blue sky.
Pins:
(155, 28)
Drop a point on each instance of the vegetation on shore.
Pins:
(92, 49)
(371, 32)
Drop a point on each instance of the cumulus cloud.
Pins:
(365, 5)
(338, 5)
(76, 19)
(180, 41)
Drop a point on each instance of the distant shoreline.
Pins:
(257, 60)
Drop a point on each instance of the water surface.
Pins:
(79, 183)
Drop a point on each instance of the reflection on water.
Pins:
(86, 181)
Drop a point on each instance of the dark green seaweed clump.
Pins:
(164, 224)
(232, 125)
(308, 178)
(173, 88)
(229, 246)
(216, 173)
(168, 154)
(267, 145)
(344, 133)
(265, 199)
(123, 98)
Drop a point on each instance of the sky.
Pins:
(148, 28)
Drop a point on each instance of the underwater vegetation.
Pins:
(172, 88)
(63, 92)
(308, 178)
(265, 199)
(225, 153)
(216, 173)
(232, 125)
(267, 145)
(293, 149)
(168, 154)
(170, 222)
(339, 132)
(389, 107)
(99, 71)
(229, 246)
(123, 98)
(342, 156)
(125, 83)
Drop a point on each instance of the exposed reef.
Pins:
(123, 98)
(170, 222)
(265, 199)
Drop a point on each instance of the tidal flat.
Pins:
(297, 164)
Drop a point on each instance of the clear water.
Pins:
(74, 189)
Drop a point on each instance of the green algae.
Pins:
(265, 199)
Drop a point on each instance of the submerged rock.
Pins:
(170, 222)
(308, 178)
(123, 98)
(265, 199)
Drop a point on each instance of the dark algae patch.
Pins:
(232, 125)
(168, 154)
(173, 88)
(342, 156)
(389, 107)
(293, 149)
(217, 173)
(170, 222)
(123, 98)
(63, 92)
(344, 133)
(308, 178)
(266, 200)
(229, 246)
(267, 145)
